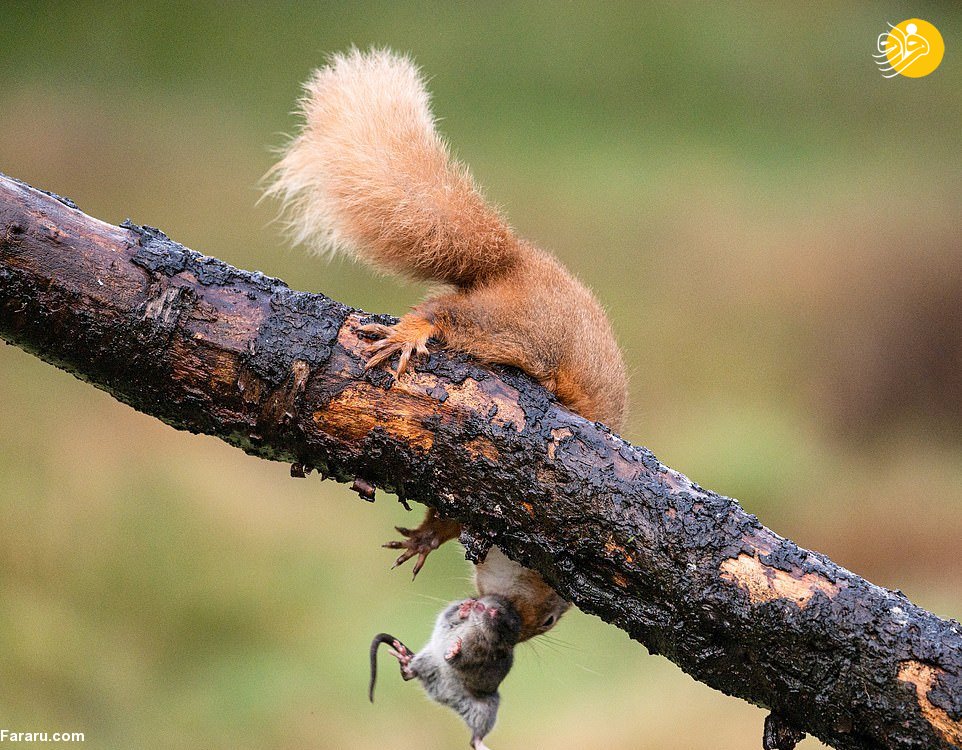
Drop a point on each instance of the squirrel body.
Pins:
(370, 176)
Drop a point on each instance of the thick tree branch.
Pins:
(208, 348)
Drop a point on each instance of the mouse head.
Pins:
(502, 618)
(492, 618)
(538, 605)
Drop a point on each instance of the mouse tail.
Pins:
(380, 638)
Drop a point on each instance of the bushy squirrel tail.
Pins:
(369, 175)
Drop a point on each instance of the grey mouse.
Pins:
(470, 652)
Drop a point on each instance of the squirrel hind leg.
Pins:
(408, 337)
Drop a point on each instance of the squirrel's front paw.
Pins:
(419, 541)
(422, 541)
(409, 336)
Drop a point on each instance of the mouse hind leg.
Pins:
(480, 715)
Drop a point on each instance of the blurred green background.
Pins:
(772, 225)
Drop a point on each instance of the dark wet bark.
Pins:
(279, 373)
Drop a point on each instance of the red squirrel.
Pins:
(368, 175)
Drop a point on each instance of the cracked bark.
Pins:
(278, 373)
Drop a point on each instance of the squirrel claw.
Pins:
(407, 555)
(420, 542)
(418, 565)
(376, 330)
(408, 338)
(384, 350)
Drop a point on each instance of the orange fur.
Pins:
(370, 175)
